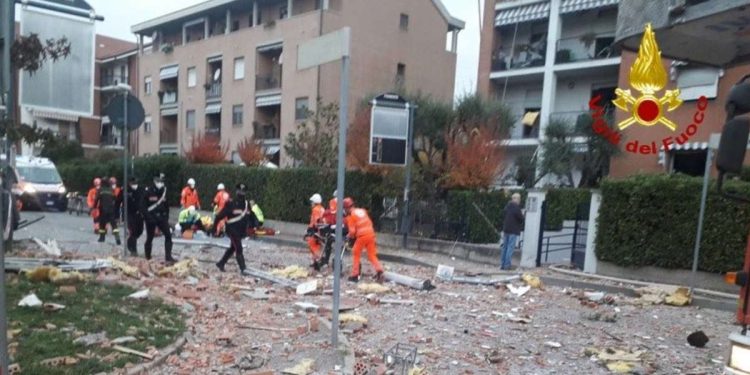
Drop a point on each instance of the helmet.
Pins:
(220, 187)
(316, 199)
(113, 180)
(348, 202)
(191, 182)
(97, 182)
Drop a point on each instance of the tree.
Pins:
(558, 152)
(206, 150)
(61, 150)
(315, 142)
(251, 152)
(29, 54)
(474, 159)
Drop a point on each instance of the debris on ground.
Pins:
(518, 291)
(513, 318)
(621, 361)
(59, 361)
(408, 281)
(532, 280)
(39, 274)
(352, 318)
(258, 294)
(291, 272)
(91, 339)
(373, 288)
(307, 307)
(181, 269)
(444, 272)
(30, 300)
(50, 247)
(553, 344)
(123, 340)
(657, 295)
(697, 339)
(303, 368)
(142, 294)
(307, 288)
(52, 307)
(680, 297)
(58, 277)
(125, 268)
(603, 316)
(133, 352)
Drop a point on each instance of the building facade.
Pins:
(228, 68)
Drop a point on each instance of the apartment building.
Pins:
(546, 59)
(227, 68)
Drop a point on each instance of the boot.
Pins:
(117, 240)
(380, 277)
(353, 279)
(221, 267)
(101, 237)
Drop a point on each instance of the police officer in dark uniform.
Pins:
(106, 203)
(156, 215)
(239, 216)
(135, 216)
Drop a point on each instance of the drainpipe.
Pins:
(320, 32)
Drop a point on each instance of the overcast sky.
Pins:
(120, 15)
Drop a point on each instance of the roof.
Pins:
(110, 47)
(149, 25)
(79, 4)
(453, 22)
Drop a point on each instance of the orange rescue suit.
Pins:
(189, 197)
(91, 202)
(363, 232)
(315, 217)
(220, 199)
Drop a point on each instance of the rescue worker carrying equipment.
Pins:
(190, 220)
(106, 204)
(135, 215)
(91, 202)
(156, 214)
(313, 241)
(238, 217)
(362, 235)
(189, 196)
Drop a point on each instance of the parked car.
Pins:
(40, 183)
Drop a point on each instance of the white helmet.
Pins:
(191, 182)
(220, 187)
(316, 199)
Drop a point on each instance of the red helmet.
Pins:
(97, 182)
(348, 203)
(113, 180)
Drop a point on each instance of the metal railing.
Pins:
(168, 136)
(578, 119)
(113, 80)
(266, 131)
(213, 90)
(214, 132)
(586, 47)
(525, 56)
(169, 98)
(267, 82)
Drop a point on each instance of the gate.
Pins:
(566, 246)
(580, 233)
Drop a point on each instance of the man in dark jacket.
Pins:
(106, 202)
(156, 215)
(135, 216)
(239, 215)
(512, 227)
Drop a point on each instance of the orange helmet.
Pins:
(348, 203)
(97, 182)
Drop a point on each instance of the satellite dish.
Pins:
(217, 74)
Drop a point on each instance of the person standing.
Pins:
(312, 229)
(91, 202)
(512, 228)
(189, 196)
(156, 214)
(117, 191)
(135, 215)
(238, 215)
(106, 204)
(362, 235)
(220, 199)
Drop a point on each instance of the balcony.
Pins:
(266, 131)
(578, 120)
(110, 137)
(213, 91)
(586, 47)
(268, 82)
(526, 56)
(168, 98)
(168, 135)
(113, 80)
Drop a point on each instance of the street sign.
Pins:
(324, 49)
(389, 130)
(116, 108)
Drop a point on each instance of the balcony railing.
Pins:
(525, 56)
(168, 136)
(110, 139)
(267, 82)
(577, 120)
(213, 132)
(266, 131)
(213, 90)
(113, 80)
(169, 98)
(586, 47)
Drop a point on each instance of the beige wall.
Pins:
(486, 46)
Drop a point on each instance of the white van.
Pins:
(41, 184)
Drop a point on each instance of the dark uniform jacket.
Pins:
(239, 217)
(106, 201)
(135, 199)
(513, 223)
(154, 204)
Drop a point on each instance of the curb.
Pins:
(345, 347)
(143, 368)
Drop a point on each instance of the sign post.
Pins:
(713, 144)
(321, 50)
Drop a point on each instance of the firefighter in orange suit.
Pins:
(189, 196)
(315, 218)
(330, 214)
(362, 234)
(91, 202)
(220, 199)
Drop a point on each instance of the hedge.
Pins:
(282, 194)
(461, 211)
(562, 204)
(651, 221)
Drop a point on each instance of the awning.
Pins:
(213, 109)
(54, 115)
(214, 58)
(270, 46)
(268, 100)
(170, 112)
(530, 118)
(570, 6)
(520, 14)
(272, 150)
(169, 72)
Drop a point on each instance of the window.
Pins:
(283, 12)
(192, 77)
(400, 74)
(147, 124)
(695, 82)
(301, 106)
(689, 162)
(190, 120)
(239, 68)
(237, 111)
(404, 22)
(147, 85)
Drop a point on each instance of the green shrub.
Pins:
(562, 204)
(651, 221)
(62, 150)
(492, 204)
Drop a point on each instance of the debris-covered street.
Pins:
(238, 324)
